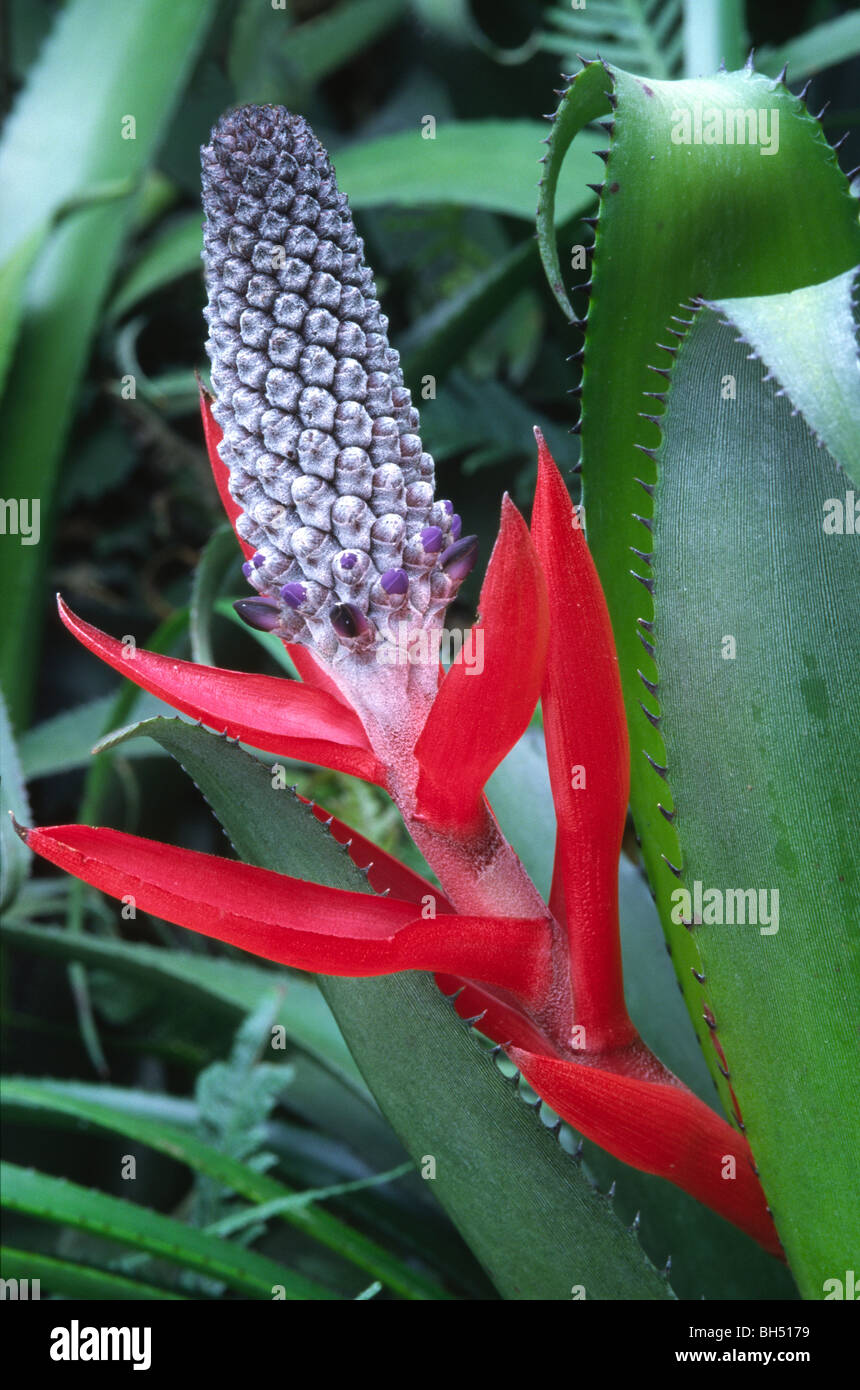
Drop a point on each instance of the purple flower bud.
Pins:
(395, 581)
(293, 595)
(348, 621)
(247, 569)
(260, 613)
(258, 560)
(449, 506)
(456, 527)
(432, 539)
(349, 562)
(459, 559)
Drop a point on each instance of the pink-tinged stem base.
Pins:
(477, 867)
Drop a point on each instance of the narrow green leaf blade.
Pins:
(174, 252)
(221, 549)
(481, 164)
(835, 41)
(72, 1280)
(57, 1200)
(13, 276)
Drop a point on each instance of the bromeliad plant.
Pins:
(313, 440)
(314, 444)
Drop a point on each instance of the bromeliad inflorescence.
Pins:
(336, 494)
(313, 441)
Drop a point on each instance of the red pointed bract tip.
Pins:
(487, 698)
(659, 1128)
(589, 760)
(280, 716)
(330, 931)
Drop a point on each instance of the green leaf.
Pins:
(76, 1281)
(714, 33)
(57, 1200)
(15, 858)
(64, 139)
(526, 1209)
(807, 340)
(40, 897)
(370, 1292)
(170, 394)
(65, 741)
(299, 1201)
(455, 21)
(24, 1098)
(836, 41)
(644, 35)
(296, 57)
(13, 276)
(485, 164)
(770, 731)
(221, 552)
(173, 253)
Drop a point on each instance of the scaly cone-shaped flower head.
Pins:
(320, 436)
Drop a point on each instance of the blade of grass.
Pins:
(72, 1280)
(220, 552)
(47, 1198)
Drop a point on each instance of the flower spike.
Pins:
(325, 471)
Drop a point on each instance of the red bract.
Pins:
(545, 977)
